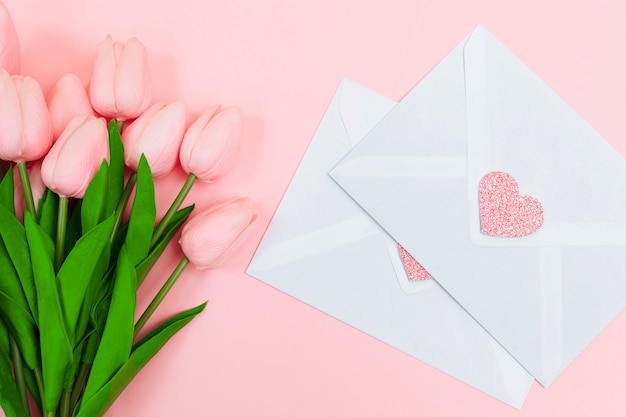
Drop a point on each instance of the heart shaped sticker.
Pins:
(414, 270)
(503, 211)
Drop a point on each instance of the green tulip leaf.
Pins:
(164, 331)
(16, 310)
(23, 328)
(142, 353)
(7, 192)
(93, 341)
(87, 261)
(95, 200)
(116, 168)
(73, 230)
(118, 242)
(48, 209)
(101, 304)
(10, 399)
(5, 347)
(90, 300)
(142, 215)
(56, 349)
(177, 220)
(144, 267)
(10, 282)
(14, 238)
(117, 337)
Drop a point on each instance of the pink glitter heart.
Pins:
(414, 270)
(503, 211)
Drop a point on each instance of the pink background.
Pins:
(256, 351)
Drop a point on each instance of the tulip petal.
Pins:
(211, 153)
(132, 134)
(9, 43)
(166, 132)
(236, 243)
(132, 85)
(193, 134)
(101, 90)
(36, 123)
(76, 156)
(212, 235)
(66, 100)
(217, 157)
(157, 134)
(10, 119)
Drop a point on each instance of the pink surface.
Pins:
(256, 351)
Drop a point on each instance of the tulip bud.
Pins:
(215, 233)
(66, 100)
(120, 82)
(211, 143)
(9, 44)
(25, 126)
(157, 134)
(76, 156)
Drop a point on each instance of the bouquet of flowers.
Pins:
(72, 255)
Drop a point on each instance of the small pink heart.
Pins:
(503, 211)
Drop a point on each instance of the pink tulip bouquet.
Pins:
(71, 261)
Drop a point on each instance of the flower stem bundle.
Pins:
(79, 231)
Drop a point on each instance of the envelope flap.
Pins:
(303, 226)
(516, 124)
(360, 109)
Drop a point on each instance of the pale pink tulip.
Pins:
(120, 85)
(157, 134)
(25, 126)
(215, 233)
(211, 143)
(36, 184)
(76, 156)
(9, 44)
(66, 100)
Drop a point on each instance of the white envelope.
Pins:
(544, 296)
(323, 249)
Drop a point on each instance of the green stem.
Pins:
(61, 230)
(51, 413)
(173, 208)
(121, 206)
(161, 295)
(119, 124)
(42, 393)
(27, 190)
(79, 383)
(18, 369)
(64, 408)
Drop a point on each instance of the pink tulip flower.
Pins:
(36, 184)
(66, 100)
(25, 126)
(9, 44)
(157, 134)
(211, 143)
(120, 82)
(76, 156)
(215, 233)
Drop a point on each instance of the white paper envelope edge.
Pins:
(323, 249)
(544, 304)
